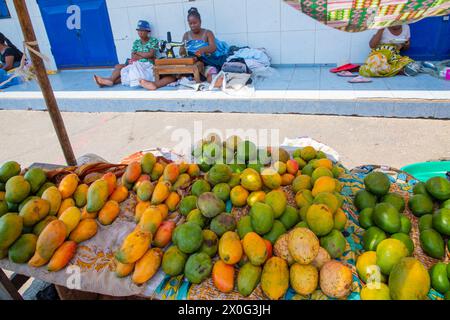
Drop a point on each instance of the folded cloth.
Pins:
(131, 74)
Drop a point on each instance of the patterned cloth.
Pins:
(384, 61)
(151, 44)
(360, 15)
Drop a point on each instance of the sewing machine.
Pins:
(168, 45)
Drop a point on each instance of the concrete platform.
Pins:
(291, 89)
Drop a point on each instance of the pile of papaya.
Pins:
(42, 223)
(387, 267)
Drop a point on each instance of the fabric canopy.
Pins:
(360, 15)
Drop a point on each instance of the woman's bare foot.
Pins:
(149, 85)
(102, 82)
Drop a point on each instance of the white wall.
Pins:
(11, 29)
(290, 36)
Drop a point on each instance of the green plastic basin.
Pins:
(425, 170)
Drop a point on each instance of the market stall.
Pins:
(230, 231)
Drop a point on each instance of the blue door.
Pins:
(79, 32)
(430, 39)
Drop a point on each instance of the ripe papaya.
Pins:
(84, 231)
(68, 185)
(62, 256)
(97, 195)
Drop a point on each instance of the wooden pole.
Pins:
(44, 83)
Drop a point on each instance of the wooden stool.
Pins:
(176, 66)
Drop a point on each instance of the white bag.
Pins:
(131, 74)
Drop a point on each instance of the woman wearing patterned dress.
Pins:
(144, 50)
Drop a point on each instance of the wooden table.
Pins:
(176, 66)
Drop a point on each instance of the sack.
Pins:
(231, 81)
(131, 74)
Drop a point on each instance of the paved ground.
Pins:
(301, 90)
(28, 136)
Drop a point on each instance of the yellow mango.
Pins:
(88, 215)
(85, 230)
(164, 210)
(230, 248)
(151, 220)
(71, 217)
(68, 185)
(97, 195)
(134, 246)
(146, 267)
(109, 212)
(172, 201)
(48, 241)
(123, 270)
(80, 195)
(161, 192)
(54, 198)
(139, 210)
(275, 278)
(65, 204)
(324, 184)
(34, 211)
(255, 248)
(120, 194)
(62, 256)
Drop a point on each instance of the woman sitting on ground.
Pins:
(10, 56)
(144, 50)
(201, 43)
(385, 59)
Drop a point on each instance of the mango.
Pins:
(160, 193)
(275, 278)
(84, 231)
(109, 212)
(223, 276)
(37, 229)
(164, 234)
(320, 219)
(230, 248)
(439, 279)
(164, 210)
(196, 217)
(323, 184)
(173, 261)
(65, 204)
(304, 198)
(262, 218)
(80, 195)
(187, 204)
(3, 208)
(188, 237)
(301, 182)
(148, 160)
(248, 278)
(210, 205)
(8, 170)
(151, 220)
(304, 279)
(334, 243)
(120, 194)
(238, 196)
(290, 217)
(24, 202)
(287, 179)
(68, 185)
(123, 270)
(409, 280)
(44, 187)
(171, 173)
(132, 172)
(71, 217)
(364, 200)
(17, 189)
(251, 180)
(36, 178)
(34, 211)
(255, 248)
(210, 243)
(54, 198)
(328, 199)
(145, 191)
(97, 195)
(222, 191)
(271, 178)
(88, 215)
(198, 267)
(23, 249)
(277, 230)
(244, 226)
(193, 170)
(432, 243)
(389, 253)
(111, 179)
(235, 180)
(303, 245)
(48, 241)
(182, 182)
(62, 256)
(157, 171)
(172, 201)
(134, 246)
(147, 266)
(139, 210)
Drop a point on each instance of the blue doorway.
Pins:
(79, 32)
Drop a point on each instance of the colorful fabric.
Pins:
(360, 15)
(151, 44)
(384, 61)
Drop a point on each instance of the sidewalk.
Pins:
(294, 89)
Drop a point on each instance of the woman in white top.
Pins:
(385, 59)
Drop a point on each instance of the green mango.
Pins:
(248, 278)
(366, 218)
(406, 241)
(198, 267)
(244, 226)
(277, 230)
(420, 204)
(439, 280)
(425, 222)
(432, 243)
(405, 225)
(8, 170)
(387, 217)
(372, 237)
(364, 199)
(441, 221)
(396, 200)
(334, 243)
(173, 261)
(290, 217)
(36, 177)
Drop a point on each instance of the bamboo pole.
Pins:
(44, 83)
